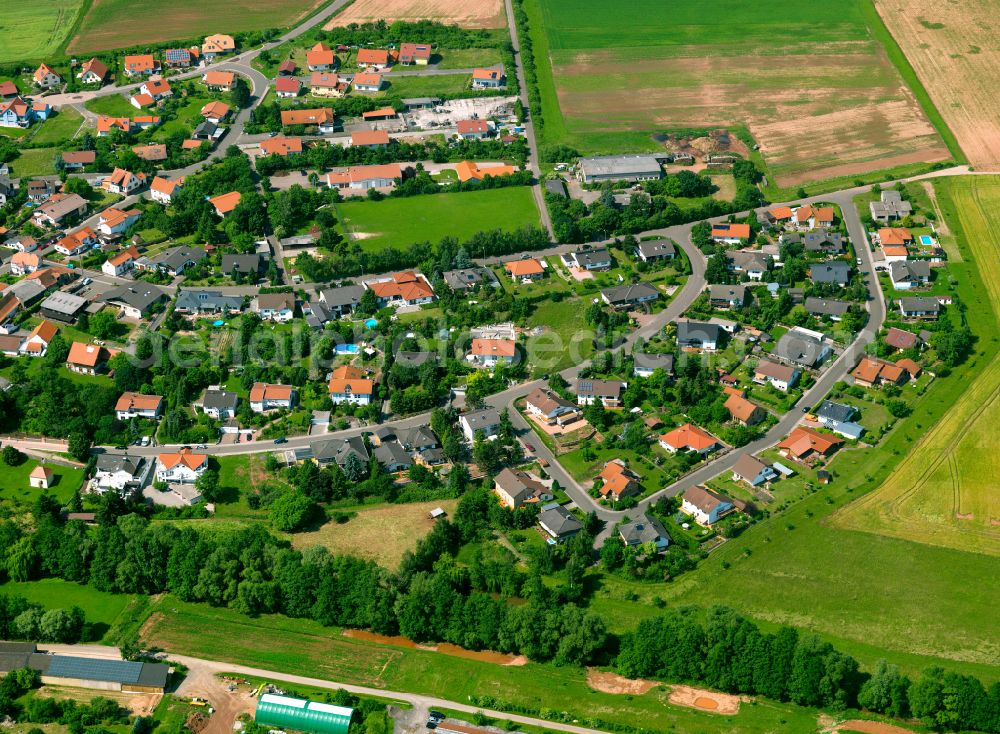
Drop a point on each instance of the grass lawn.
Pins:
(34, 162)
(423, 86)
(403, 221)
(245, 474)
(306, 648)
(584, 50)
(14, 485)
(62, 125)
(114, 105)
(467, 58)
(111, 24)
(567, 339)
(381, 534)
(36, 30)
(188, 117)
(102, 609)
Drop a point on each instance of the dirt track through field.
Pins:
(464, 13)
(612, 683)
(954, 48)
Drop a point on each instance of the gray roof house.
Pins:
(698, 334)
(342, 300)
(801, 347)
(177, 259)
(338, 449)
(486, 420)
(417, 438)
(135, 299)
(890, 206)
(608, 392)
(829, 307)
(242, 264)
(642, 530)
(643, 364)
(754, 263)
(909, 273)
(629, 295)
(218, 404)
(392, 456)
(205, 301)
(837, 417)
(728, 296)
(919, 307)
(834, 271)
(559, 524)
(651, 250)
(822, 240)
(589, 258)
(468, 278)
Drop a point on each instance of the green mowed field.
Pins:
(113, 105)
(407, 220)
(61, 126)
(306, 648)
(34, 162)
(34, 30)
(945, 492)
(14, 484)
(111, 24)
(815, 89)
(567, 339)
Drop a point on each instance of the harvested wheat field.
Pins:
(382, 534)
(699, 698)
(954, 48)
(944, 492)
(614, 683)
(464, 13)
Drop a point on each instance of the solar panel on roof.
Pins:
(118, 671)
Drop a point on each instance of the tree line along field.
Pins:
(944, 492)
(110, 24)
(34, 30)
(955, 51)
(816, 89)
(303, 647)
(402, 221)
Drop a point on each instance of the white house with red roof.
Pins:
(45, 78)
(162, 189)
(182, 467)
(401, 289)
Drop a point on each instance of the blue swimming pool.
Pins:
(926, 239)
(218, 322)
(371, 323)
(347, 349)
